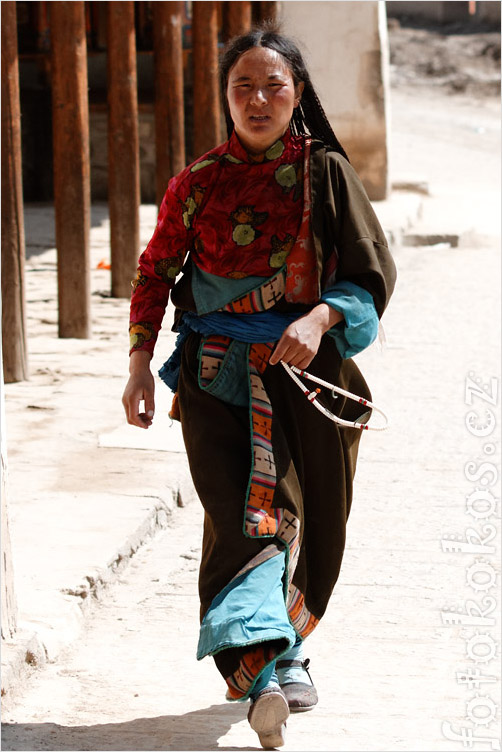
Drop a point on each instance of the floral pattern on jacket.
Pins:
(238, 215)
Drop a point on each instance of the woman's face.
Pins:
(261, 96)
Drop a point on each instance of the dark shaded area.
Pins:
(39, 226)
(33, 21)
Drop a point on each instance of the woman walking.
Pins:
(283, 259)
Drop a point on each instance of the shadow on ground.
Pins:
(198, 730)
(40, 230)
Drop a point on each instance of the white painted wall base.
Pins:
(346, 48)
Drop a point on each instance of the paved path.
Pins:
(385, 665)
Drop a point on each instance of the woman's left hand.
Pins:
(300, 342)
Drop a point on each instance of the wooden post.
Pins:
(70, 117)
(15, 364)
(237, 18)
(123, 147)
(268, 11)
(169, 110)
(206, 99)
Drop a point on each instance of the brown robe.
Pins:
(315, 458)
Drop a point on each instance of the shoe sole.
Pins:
(300, 709)
(268, 719)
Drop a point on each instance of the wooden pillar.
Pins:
(206, 99)
(15, 365)
(237, 18)
(169, 103)
(123, 147)
(70, 117)
(268, 11)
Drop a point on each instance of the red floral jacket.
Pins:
(238, 216)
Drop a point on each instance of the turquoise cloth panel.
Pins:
(231, 382)
(211, 292)
(249, 610)
(360, 327)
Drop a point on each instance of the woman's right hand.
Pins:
(141, 386)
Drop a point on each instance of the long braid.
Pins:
(309, 117)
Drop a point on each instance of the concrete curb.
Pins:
(92, 584)
(430, 239)
(36, 644)
(398, 214)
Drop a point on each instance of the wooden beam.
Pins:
(236, 19)
(70, 117)
(169, 103)
(206, 97)
(123, 147)
(15, 362)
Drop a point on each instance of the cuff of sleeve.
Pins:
(142, 336)
(360, 326)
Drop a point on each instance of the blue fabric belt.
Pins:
(267, 326)
(356, 332)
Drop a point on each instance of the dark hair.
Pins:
(309, 117)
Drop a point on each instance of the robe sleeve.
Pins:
(347, 223)
(158, 267)
(359, 327)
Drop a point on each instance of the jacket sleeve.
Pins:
(158, 267)
(359, 327)
(349, 225)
